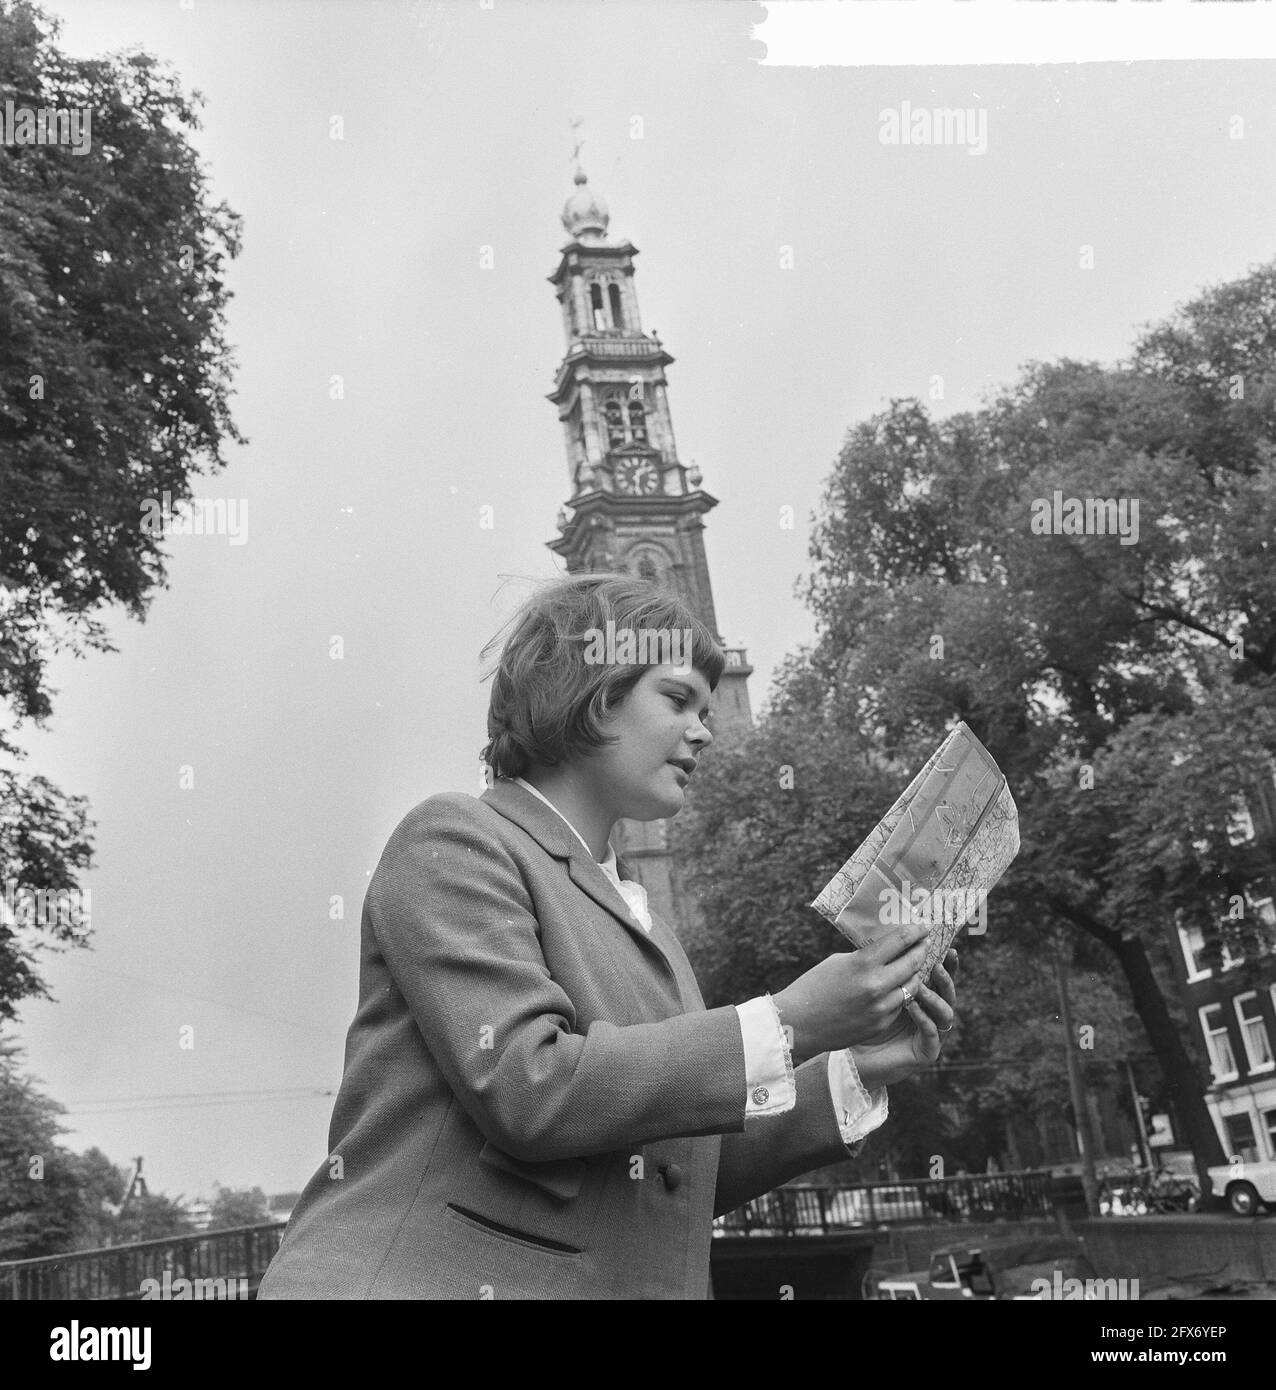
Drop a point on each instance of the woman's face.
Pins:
(661, 721)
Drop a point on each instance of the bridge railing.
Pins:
(218, 1260)
(822, 1209)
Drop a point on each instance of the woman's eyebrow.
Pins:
(690, 689)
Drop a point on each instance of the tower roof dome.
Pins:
(585, 214)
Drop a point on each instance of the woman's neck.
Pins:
(592, 820)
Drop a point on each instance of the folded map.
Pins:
(934, 855)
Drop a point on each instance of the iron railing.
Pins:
(217, 1265)
(809, 1209)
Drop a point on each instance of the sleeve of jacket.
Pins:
(453, 919)
(774, 1148)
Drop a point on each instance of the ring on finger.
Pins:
(908, 998)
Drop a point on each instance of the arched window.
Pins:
(613, 294)
(637, 422)
(615, 418)
(596, 304)
(647, 569)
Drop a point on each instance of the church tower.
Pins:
(634, 507)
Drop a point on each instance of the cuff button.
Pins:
(761, 1095)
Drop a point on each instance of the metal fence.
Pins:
(809, 1209)
(218, 1265)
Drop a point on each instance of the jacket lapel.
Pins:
(552, 833)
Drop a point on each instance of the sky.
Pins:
(801, 271)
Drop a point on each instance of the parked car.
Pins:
(991, 1270)
(1246, 1187)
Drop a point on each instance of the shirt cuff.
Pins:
(768, 1063)
(859, 1113)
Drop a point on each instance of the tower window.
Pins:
(647, 569)
(613, 294)
(596, 304)
(637, 421)
(615, 418)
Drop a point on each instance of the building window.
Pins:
(1264, 917)
(1258, 1048)
(615, 418)
(637, 422)
(1222, 1062)
(596, 304)
(1240, 1138)
(617, 318)
(1232, 958)
(1269, 1121)
(1192, 940)
(1240, 824)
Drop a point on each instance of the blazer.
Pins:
(535, 1101)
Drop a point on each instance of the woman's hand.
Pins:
(881, 1064)
(854, 996)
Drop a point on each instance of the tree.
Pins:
(114, 383)
(52, 1200)
(40, 1209)
(238, 1207)
(1125, 682)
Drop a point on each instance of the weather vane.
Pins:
(576, 122)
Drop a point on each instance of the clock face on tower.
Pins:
(638, 477)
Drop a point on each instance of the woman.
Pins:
(536, 1103)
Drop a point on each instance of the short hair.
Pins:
(548, 700)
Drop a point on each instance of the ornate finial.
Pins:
(576, 122)
(585, 215)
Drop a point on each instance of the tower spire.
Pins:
(585, 215)
(576, 122)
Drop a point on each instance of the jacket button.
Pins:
(672, 1175)
(761, 1095)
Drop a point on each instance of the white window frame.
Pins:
(1189, 957)
(1244, 1024)
(1255, 1128)
(1263, 912)
(1240, 823)
(1208, 1033)
(1268, 1127)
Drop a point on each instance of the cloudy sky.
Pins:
(802, 273)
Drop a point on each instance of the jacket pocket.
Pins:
(496, 1228)
(561, 1178)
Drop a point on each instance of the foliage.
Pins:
(238, 1207)
(114, 379)
(52, 1200)
(1126, 683)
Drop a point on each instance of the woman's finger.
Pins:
(937, 1008)
(927, 1044)
(891, 945)
(904, 971)
(942, 983)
